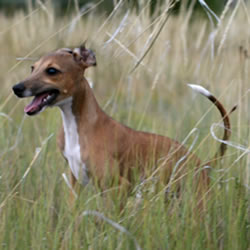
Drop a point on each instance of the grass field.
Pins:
(141, 80)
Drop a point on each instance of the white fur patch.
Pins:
(200, 89)
(27, 93)
(77, 50)
(72, 150)
(91, 84)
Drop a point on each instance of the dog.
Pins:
(95, 145)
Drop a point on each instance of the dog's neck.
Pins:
(83, 106)
(80, 114)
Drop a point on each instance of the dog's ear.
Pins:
(85, 57)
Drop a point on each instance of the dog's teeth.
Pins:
(45, 99)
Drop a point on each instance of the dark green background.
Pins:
(64, 6)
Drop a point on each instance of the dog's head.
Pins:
(54, 78)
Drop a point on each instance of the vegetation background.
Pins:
(147, 52)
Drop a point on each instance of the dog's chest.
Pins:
(72, 150)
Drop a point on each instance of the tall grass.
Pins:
(145, 89)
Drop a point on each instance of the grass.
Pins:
(34, 210)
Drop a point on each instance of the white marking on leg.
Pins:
(72, 146)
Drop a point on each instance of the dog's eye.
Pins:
(32, 68)
(52, 71)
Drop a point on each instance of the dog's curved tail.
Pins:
(224, 114)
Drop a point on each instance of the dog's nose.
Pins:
(19, 89)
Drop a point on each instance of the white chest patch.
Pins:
(72, 150)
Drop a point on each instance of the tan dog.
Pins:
(93, 143)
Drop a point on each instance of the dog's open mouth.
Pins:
(40, 101)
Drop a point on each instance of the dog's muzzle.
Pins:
(19, 90)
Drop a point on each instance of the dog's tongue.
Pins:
(35, 104)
